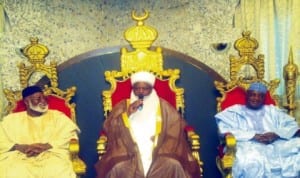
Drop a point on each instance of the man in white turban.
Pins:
(146, 137)
(267, 142)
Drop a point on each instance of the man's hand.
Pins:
(20, 147)
(266, 138)
(134, 106)
(33, 149)
(37, 148)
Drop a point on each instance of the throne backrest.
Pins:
(164, 86)
(57, 99)
(142, 58)
(237, 95)
(124, 88)
(244, 70)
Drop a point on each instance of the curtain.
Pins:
(275, 25)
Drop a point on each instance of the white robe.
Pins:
(253, 159)
(143, 124)
(54, 128)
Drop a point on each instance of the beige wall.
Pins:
(70, 28)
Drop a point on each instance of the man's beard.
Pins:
(38, 108)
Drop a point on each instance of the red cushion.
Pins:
(238, 96)
(55, 103)
(123, 90)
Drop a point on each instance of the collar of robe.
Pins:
(158, 124)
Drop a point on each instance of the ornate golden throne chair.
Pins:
(244, 69)
(57, 98)
(141, 58)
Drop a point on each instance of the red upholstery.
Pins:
(123, 90)
(238, 96)
(55, 103)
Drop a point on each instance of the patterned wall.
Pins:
(72, 27)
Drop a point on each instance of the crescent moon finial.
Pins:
(140, 18)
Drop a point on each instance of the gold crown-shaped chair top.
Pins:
(141, 35)
(255, 72)
(141, 38)
(141, 58)
(36, 54)
(246, 45)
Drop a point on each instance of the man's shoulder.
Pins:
(12, 118)
(276, 109)
(57, 113)
(14, 115)
(165, 103)
(234, 108)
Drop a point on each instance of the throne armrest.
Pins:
(79, 166)
(101, 144)
(226, 156)
(194, 141)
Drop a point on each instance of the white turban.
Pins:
(143, 76)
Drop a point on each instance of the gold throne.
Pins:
(57, 98)
(143, 57)
(244, 69)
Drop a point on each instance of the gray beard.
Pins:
(38, 108)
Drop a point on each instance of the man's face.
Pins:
(37, 102)
(142, 89)
(254, 99)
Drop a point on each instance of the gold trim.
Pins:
(290, 74)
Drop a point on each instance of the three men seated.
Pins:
(268, 144)
(146, 137)
(35, 142)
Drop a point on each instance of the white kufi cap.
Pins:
(143, 76)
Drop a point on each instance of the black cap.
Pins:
(31, 90)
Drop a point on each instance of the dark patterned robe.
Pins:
(172, 157)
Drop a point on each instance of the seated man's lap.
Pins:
(278, 157)
(162, 167)
(165, 167)
(47, 164)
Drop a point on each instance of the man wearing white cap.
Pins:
(146, 137)
(267, 138)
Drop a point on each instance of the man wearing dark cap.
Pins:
(267, 142)
(34, 143)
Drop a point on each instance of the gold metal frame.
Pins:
(36, 53)
(144, 58)
(290, 75)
